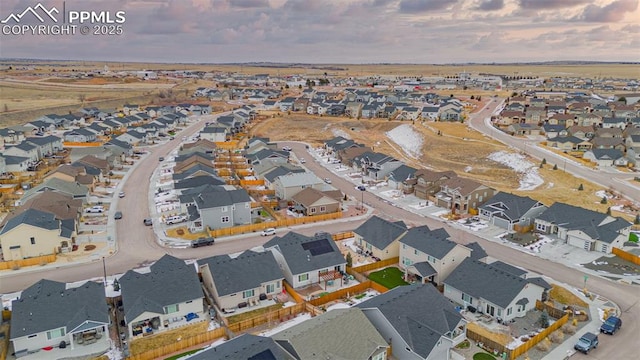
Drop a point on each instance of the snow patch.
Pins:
(409, 140)
(529, 176)
(340, 132)
(287, 324)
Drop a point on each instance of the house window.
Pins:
(33, 241)
(271, 288)
(312, 210)
(431, 259)
(509, 311)
(170, 309)
(32, 336)
(323, 208)
(521, 308)
(381, 356)
(224, 219)
(541, 227)
(416, 252)
(406, 261)
(499, 312)
(303, 277)
(53, 334)
(369, 247)
(404, 246)
(224, 209)
(605, 247)
(467, 298)
(248, 293)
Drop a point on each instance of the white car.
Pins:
(95, 209)
(268, 232)
(302, 161)
(121, 195)
(327, 180)
(286, 148)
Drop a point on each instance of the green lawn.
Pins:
(175, 357)
(389, 277)
(483, 356)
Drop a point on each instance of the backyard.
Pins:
(390, 277)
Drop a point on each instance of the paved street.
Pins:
(137, 244)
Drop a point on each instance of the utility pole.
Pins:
(104, 268)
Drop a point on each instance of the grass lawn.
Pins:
(389, 277)
(483, 356)
(175, 357)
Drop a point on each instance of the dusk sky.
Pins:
(343, 31)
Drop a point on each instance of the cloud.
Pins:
(247, 4)
(490, 5)
(613, 12)
(419, 6)
(550, 4)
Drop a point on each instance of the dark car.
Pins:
(202, 242)
(118, 215)
(148, 222)
(587, 342)
(611, 325)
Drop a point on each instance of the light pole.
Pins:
(104, 268)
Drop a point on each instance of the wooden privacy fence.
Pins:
(376, 265)
(241, 229)
(272, 317)
(356, 289)
(165, 350)
(536, 339)
(552, 311)
(227, 145)
(357, 275)
(38, 260)
(294, 294)
(488, 343)
(342, 235)
(626, 255)
(255, 182)
(81, 144)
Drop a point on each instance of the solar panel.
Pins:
(318, 247)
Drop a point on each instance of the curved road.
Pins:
(138, 246)
(620, 182)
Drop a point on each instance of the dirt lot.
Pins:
(613, 265)
(457, 149)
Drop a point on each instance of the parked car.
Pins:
(286, 148)
(302, 161)
(161, 158)
(95, 209)
(611, 325)
(147, 222)
(327, 180)
(203, 241)
(176, 219)
(121, 195)
(361, 188)
(587, 342)
(118, 215)
(268, 232)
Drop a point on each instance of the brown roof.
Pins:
(579, 105)
(203, 143)
(308, 196)
(61, 205)
(576, 128)
(511, 113)
(563, 116)
(463, 185)
(334, 194)
(191, 161)
(352, 152)
(72, 171)
(609, 132)
(85, 179)
(431, 176)
(94, 161)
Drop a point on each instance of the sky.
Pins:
(338, 31)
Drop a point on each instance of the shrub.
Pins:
(568, 329)
(557, 336)
(544, 345)
(581, 187)
(603, 200)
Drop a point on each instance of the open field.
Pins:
(590, 70)
(447, 152)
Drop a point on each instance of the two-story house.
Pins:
(222, 208)
(380, 237)
(462, 195)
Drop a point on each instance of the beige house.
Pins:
(428, 255)
(314, 202)
(380, 237)
(463, 195)
(243, 281)
(36, 233)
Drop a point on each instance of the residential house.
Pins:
(10, 136)
(491, 291)
(80, 135)
(569, 143)
(403, 178)
(15, 164)
(245, 346)
(430, 113)
(47, 145)
(417, 320)
(223, 208)
(268, 154)
(450, 112)
(606, 157)
(323, 337)
(614, 122)
(133, 137)
(375, 165)
(601, 142)
(25, 149)
(286, 186)
(588, 119)
(241, 281)
(73, 189)
(311, 202)
(581, 132)
(463, 195)
(551, 131)
(511, 212)
(308, 261)
(50, 313)
(380, 237)
(429, 255)
(583, 228)
(166, 297)
(429, 182)
(524, 129)
(214, 133)
(62, 206)
(33, 233)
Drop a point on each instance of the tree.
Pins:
(116, 285)
(603, 200)
(609, 211)
(544, 161)
(580, 188)
(349, 260)
(637, 220)
(82, 97)
(622, 99)
(472, 97)
(544, 319)
(555, 167)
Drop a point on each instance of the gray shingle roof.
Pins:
(33, 217)
(170, 281)
(244, 347)
(300, 260)
(337, 334)
(198, 181)
(221, 198)
(477, 251)
(485, 281)
(431, 242)
(48, 305)
(419, 313)
(380, 232)
(424, 269)
(403, 172)
(509, 206)
(246, 271)
(508, 268)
